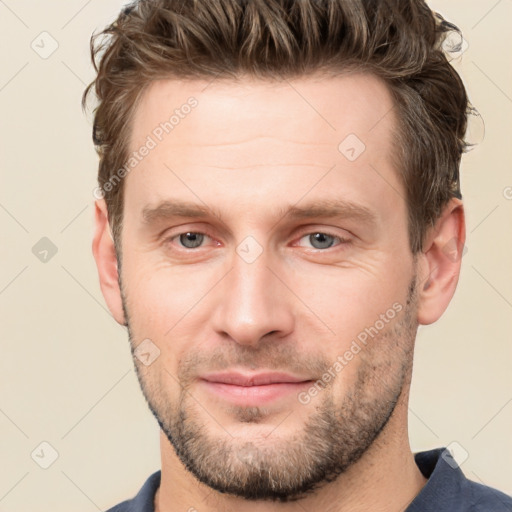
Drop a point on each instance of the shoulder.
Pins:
(488, 499)
(143, 501)
(122, 507)
(449, 490)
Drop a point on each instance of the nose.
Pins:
(253, 302)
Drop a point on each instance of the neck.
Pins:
(387, 465)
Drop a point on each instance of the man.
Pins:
(278, 210)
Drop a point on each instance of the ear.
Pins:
(104, 253)
(439, 263)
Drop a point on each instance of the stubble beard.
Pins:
(333, 438)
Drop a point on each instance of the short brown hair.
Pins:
(399, 41)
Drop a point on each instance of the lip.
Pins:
(253, 379)
(253, 388)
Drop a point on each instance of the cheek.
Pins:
(170, 307)
(159, 296)
(346, 301)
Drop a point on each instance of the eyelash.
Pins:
(342, 241)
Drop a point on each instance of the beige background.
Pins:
(66, 376)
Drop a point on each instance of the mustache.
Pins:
(275, 357)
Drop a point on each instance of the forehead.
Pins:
(317, 108)
(256, 139)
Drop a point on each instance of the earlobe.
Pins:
(440, 263)
(104, 252)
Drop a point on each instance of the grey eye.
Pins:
(323, 240)
(191, 240)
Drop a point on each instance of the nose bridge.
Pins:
(253, 301)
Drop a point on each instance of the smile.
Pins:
(255, 389)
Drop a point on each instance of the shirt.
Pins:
(446, 490)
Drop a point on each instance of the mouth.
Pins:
(248, 389)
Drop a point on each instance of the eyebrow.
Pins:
(325, 208)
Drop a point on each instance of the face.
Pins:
(265, 256)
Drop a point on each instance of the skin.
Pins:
(251, 150)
